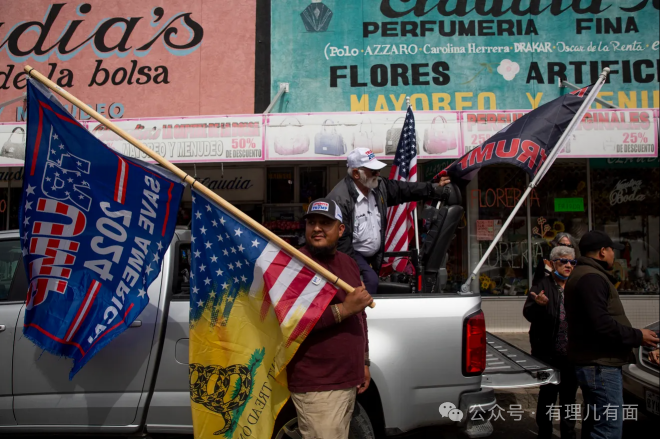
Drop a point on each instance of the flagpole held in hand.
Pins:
(332, 278)
(465, 288)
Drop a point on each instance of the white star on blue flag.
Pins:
(230, 259)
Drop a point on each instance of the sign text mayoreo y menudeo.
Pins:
(185, 131)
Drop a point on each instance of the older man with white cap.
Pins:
(364, 198)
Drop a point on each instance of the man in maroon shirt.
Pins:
(332, 364)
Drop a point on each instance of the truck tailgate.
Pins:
(508, 367)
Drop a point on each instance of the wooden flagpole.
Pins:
(330, 277)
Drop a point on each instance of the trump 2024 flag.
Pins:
(526, 142)
(94, 227)
(251, 306)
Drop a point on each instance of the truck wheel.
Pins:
(361, 427)
(286, 425)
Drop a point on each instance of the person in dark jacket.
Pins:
(543, 267)
(600, 336)
(548, 336)
(364, 198)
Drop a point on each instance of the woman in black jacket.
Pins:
(543, 267)
(548, 336)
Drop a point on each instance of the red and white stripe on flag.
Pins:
(400, 221)
(121, 181)
(83, 310)
(297, 294)
(401, 225)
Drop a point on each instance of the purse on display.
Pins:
(365, 139)
(439, 138)
(392, 139)
(329, 142)
(292, 140)
(12, 149)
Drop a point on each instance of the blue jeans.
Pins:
(602, 388)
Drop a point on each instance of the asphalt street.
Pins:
(525, 428)
(506, 428)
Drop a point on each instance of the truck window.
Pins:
(10, 259)
(181, 284)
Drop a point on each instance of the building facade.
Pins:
(193, 79)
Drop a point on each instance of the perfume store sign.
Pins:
(368, 55)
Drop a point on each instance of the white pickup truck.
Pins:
(426, 349)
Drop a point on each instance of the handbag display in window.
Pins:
(392, 138)
(439, 138)
(329, 141)
(14, 147)
(365, 139)
(291, 138)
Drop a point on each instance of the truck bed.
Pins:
(509, 367)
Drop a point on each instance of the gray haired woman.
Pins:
(566, 239)
(548, 336)
(544, 266)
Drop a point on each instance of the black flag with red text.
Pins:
(526, 142)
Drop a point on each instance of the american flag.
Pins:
(400, 224)
(230, 260)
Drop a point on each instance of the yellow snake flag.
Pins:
(251, 305)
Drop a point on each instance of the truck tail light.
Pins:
(474, 344)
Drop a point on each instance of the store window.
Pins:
(561, 205)
(10, 199)
(626, 197)
(491, 197)
(279, 183)
(313, 183)
(281, 214)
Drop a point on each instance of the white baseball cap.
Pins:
(364, 158)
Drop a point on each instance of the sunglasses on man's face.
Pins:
(565, 245)
(566, 261)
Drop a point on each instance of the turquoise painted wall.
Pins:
(460, 54)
